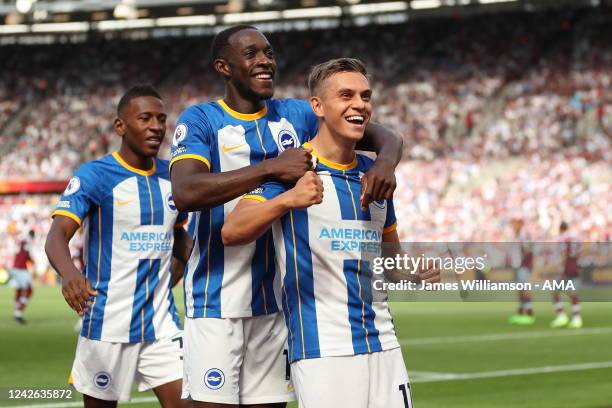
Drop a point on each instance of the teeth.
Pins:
(263, 76)
(355, 119)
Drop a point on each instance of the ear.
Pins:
(317, 106)
(222, 66)
(119, 126)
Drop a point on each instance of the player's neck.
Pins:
(138, 162)
(240, 104)
(333, 147)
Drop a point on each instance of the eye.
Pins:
(249, 54)
(270, 53)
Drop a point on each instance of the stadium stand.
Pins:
(501, 114)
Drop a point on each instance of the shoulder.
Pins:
(200, 113)
(90, 176)
(162, 167)
(364, 162)
(197, 120)
(289, 105)
(94, 168)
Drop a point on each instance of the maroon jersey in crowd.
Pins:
(570, 256)
(22, 257)
(526, 251)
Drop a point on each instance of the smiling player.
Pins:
(234, 333)
(336, 330)
(132, 230)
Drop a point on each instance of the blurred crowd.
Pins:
(19, 215)
(454, 200)
(502, 115)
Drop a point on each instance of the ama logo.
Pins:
(214, 379)
(287, 139)
(102, 380)
(170, 202)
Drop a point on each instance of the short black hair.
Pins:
(135, 92)
(321, 72)
(221, 40)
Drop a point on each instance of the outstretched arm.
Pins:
(75, 287)
(194, 188)
(379, 182)
(251, 217)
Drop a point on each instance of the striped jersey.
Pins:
(128, 218)
(322, 253)
(234, 281)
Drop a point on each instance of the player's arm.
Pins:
(195, 188)
(252, 217)
(391, 248)
(75, 287)
(379, 181)
(180, 254)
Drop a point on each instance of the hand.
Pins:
(77, 291)
(378, 183)
(290, 165)
(307, 191)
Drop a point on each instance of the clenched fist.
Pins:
(290, 165)
(307, 191)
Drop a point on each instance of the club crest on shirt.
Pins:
(180, 133)
(170, 203)
(287, 139)
(102, 380)
(73, 186)
(214, 379)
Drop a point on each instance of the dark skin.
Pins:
(142, 126)
(193, 186)
(249, 53)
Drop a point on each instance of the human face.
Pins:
(251, 63)
(143, 125)
(345, 104)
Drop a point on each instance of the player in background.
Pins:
(524, 315)
(133, 232)
(21, 277)
(570, 253)
(336, 330)
(222, 150)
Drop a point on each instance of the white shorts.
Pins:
(377, 380)
(237, 360)
(107, 370)
(20, 278)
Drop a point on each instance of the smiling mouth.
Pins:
(355, 119)
(263, 76)
(154, 139)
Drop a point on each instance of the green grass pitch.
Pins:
(457, 354)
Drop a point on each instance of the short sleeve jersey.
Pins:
(234, 281)
(322, 250)
(128, 217)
